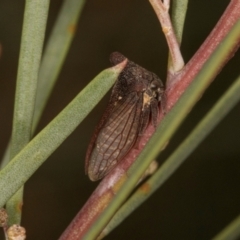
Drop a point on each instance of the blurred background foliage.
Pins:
(200, 198)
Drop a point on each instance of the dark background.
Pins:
(200, 198)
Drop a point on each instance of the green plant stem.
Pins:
(167, 127)
(230, 232)
(215, 115)
(34, 25)
(26, 162)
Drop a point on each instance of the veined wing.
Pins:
(117, 136)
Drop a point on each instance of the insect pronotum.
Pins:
(134, 104)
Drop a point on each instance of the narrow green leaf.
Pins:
(231, 232)
(179, 10)
(53, 57)
(34, 25)
(55, 53)
(24, 164)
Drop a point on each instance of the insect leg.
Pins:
(154, 112)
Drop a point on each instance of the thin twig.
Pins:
(162, 11)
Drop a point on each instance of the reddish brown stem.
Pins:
(110, 185)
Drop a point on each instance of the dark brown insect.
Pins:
(133, 105)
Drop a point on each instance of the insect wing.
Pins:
(117, 136)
